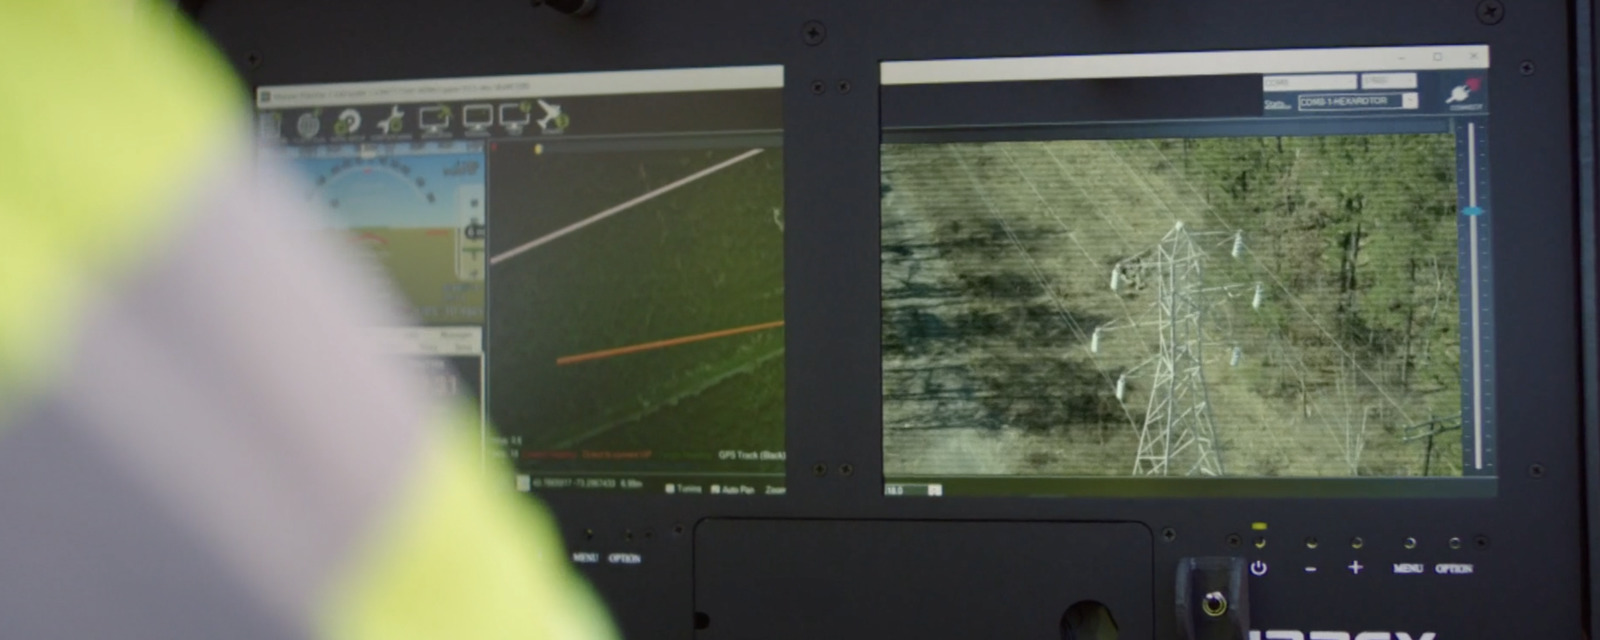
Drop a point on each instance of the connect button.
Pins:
(1258, 568)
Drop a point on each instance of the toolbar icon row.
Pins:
(513, 117)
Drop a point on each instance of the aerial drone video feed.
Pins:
(637, 308)
(1246, 307)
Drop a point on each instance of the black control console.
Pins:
(1078, 319)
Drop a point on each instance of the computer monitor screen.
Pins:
(1263, 265)
(477, 117)
(434, 119)
(600, 267)
(514, 116)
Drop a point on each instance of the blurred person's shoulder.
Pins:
(110, 115)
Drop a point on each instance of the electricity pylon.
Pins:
(1179, 434)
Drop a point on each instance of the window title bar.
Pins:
(1197, 63)
(553, 85)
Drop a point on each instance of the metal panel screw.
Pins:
(818, 87)
(844, 86)
(1169, 534)
(252, 59)
(1491, 12)
(814, 33)
(1526, 67)
(1536, 470)
(820, 470)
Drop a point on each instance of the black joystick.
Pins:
(1213, 599)
(569, 7)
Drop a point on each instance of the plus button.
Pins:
(1356, 567)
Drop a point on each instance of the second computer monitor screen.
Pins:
(1285, 277)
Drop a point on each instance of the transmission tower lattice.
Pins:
(1179, 434)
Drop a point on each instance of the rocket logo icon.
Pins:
(1465, 90)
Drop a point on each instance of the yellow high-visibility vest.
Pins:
(192, 444)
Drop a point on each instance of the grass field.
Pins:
(997, 268)
(704, 258)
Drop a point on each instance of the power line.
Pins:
(1071, 234)
(646, 197)
(1067, 175)
(1038, 277)
(1206, 208)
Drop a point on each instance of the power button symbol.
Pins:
(1258, 568)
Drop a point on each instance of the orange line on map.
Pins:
(662, 344)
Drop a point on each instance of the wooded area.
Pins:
(1316, 321)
